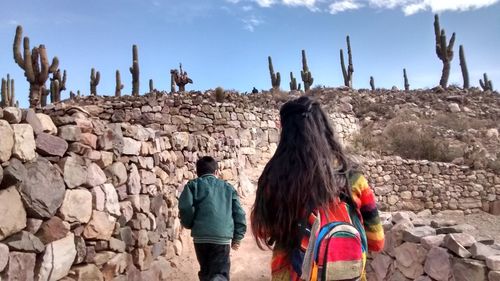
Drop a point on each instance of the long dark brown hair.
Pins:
(307, 171)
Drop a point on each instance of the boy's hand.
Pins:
(235, 245)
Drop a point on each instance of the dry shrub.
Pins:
(460, 123)
(409, 140)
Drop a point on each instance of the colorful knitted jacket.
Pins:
(281, 265)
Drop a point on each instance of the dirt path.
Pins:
(249, 263)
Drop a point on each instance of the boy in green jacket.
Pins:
(211, 208)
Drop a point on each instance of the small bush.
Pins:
(409, 140)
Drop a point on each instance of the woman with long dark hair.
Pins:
(309, 172)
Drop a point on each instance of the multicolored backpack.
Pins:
(335, 249)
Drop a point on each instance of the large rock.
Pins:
(415, 234)
(95, 175)
(432, 241)
(381, 264)
(70, 132)
(24, 142)
(180, 140)
(14, 173)
(469, 270)
(134, 180)
(464, 239)
(57, 260)
(437, 264)
(32, 119)
(494, 276)
(43, 190)
(480, 251)
(100, 226)
(12, 115)
(77, 206)
(88, 272)
(13, 215)
(7, 142)
(47, 124)
(74, 170)
(49, 145)
(52, 230)
(111, 204)
(117, 172)
(131, 146)
(4, 256)
(409, 259)
(452, 244)
(21, 267)
(24, 242)
(493, 262)
(117, 265)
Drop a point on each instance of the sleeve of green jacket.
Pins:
(186, 207)
(240, 225)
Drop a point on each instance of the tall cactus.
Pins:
(372, 83)
(95, 77)
(7, 93)
(293, 82)
(119, 85)
(275, 77)
(151, 86)
(134, 70)
(57, 85)
(444, 51)
(347, 73)
(305, 73)
(35, 65)
(405, 77)
(487, 85)
(172, 81)
(463, 65)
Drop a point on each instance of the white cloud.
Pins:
(409, 7)
(247, 8)
(251, 23)
(265, 3)
(306, 3)
(344, 5)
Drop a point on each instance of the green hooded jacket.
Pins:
(211, 208)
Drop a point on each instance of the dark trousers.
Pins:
(214, 261)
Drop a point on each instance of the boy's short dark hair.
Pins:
(206, 165)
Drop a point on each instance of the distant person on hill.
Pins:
(308, 184)
(255, 91)
(211, 208)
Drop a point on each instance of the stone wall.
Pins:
(89, 192)
(88, 189)
(424, 249)
(417, 185)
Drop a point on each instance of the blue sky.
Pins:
(226, 42)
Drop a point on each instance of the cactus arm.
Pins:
(18, 57)
(44, 64)
(463, 65)
(28, 65)
(449, 50)
(349, 54)
(342, 65)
